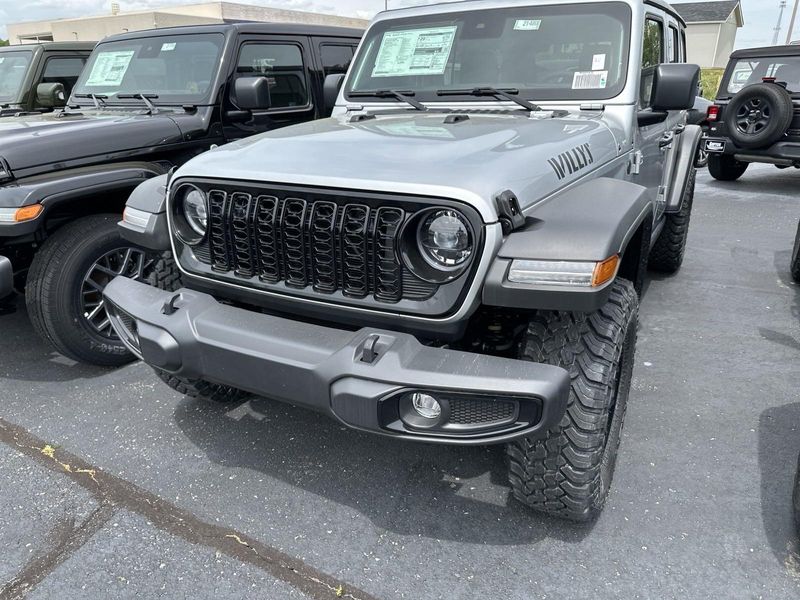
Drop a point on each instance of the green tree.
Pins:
(3, 42)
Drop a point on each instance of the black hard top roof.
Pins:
(767, 52)
(51, 46)
(244, 27)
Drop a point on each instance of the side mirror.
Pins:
(330, 91)
(675, 87)
(252, 93)
(51, 95)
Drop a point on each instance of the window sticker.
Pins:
(2, 58)
(598, 62)
(590, 80)
(109, 68)
(414, 52)
(168, 46)
(527, 25)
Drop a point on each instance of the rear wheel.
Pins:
(795, 266)
(64, 289)
(726, 168)
(568, 472)
(667, 253)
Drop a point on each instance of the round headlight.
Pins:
(445, 239)
(195, 211)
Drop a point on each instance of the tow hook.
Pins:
(169, 307)
(369, 348)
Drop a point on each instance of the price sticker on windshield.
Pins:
(168, 46)
(110, 68)
(590, 80)
(527, 25)
(414, 52)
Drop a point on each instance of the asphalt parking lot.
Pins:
(111, 485)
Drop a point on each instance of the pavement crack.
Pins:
(116, 493)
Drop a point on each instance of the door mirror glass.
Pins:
(330, 91)
(51, 95)
(675, 87)
(252, 93)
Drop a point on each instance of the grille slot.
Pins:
(218, 230)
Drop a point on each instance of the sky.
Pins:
(760, 15)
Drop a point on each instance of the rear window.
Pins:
(748, 71)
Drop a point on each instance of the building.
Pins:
(711, 29)
(100, 26)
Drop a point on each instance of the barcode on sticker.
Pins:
(590, 80)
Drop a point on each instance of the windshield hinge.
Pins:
(635, 165)
(593, 107)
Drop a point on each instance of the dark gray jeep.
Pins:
(456, 256)
(145, 103)
(756, 115)
(39, 77)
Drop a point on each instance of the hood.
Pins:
(33, 143)
(473, 160)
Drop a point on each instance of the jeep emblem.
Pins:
(572, 161)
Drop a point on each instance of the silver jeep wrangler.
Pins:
(456, 256)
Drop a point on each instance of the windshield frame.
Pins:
(18, 97)
(620, 11)
(206, 99)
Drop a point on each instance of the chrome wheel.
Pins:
(126, 262)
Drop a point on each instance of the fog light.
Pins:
(426, 405)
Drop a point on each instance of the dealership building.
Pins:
(98, 27)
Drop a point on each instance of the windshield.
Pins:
(13, 67)
(572, 52)
(747, 71)
(173, 69)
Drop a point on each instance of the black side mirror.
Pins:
(675, 87)
(51, 95)
(330, 91)
(252, 93)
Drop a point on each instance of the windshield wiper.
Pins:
(402, 95)
(507, 93)
(144, 98)
(96, 98)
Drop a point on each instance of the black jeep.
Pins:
(39, 77)
(146, 102)
(756, 116)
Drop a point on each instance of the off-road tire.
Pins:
(769, 97)
(795, 265)
(568, 472)
(53, 287)
(197, 388)
(726, 168)
(667, 253)
(796, 499)
(165, 274)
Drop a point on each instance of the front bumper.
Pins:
(363, 378)
(6, 277)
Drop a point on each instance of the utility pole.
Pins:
(792, 21)
(778, 26)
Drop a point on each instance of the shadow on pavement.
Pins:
(778, 448)
(782, 260)
(758, 181)
(407, 488)
(34, 359)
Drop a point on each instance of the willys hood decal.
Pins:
(471, 159)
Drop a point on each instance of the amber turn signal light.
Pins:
(605, 271)
(28, 213)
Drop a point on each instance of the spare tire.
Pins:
(759, 115)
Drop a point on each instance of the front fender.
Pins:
(53, 189)
(145, 219)
(589, 222)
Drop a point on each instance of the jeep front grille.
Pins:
(321, 244)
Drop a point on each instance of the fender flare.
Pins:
(684, 163)
(52, 189)
(589, 222)
(145, 222)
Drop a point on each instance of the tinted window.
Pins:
(13, 67)
(177, 69)
(63, 70)
(553, 52)
(652, 56)
(785, 69)
(336, 59)
(282, 64)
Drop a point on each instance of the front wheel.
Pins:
(568, 472)
(795, 266)
(667, 253)
(64, 290)
(725, 168)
